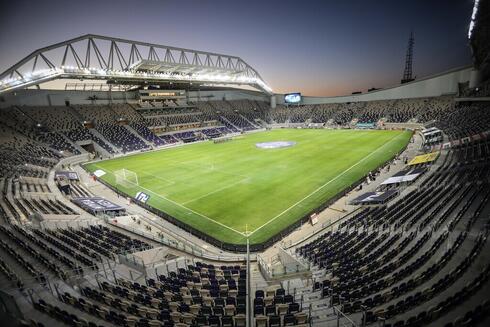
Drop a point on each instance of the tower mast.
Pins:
(407, 73)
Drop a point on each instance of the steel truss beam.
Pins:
(106, 58)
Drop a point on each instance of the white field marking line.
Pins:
(322, 186)
(178, 204)
(210, 168)
(160, 178)
(217, 190)
(192, 200)
(180, 164)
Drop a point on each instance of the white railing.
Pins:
(178, 245)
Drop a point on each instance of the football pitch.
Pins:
(235, 189)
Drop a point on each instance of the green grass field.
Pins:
(232, 189)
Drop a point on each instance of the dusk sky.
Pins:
(315, 47)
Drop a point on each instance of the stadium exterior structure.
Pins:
(445, 83)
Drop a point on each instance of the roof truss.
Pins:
(101, 57)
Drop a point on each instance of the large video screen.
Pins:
(292, 98)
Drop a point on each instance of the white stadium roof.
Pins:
(94, 57)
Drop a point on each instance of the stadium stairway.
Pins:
(136, 134)
(249, 121)
(77, 114)
(230, 123)
(100, 136)
(31, 314)
(74, 144)
(10, 198)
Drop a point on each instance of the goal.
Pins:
(126, 178)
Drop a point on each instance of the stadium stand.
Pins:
(420, 258)
(387, 263)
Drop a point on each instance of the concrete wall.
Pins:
(445, 83)
(195, 96)
(58, 97)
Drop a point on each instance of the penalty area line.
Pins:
(180, 205)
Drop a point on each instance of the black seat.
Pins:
(258, 310)
(274, 321)
(289, 320)
(214, 321)
(227, 321)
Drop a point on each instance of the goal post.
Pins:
(126, 178)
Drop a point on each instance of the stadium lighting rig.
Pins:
(96, 57)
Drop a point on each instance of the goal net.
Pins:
(126, 178)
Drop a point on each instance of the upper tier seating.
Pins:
(56, 118)
(121, 137)
(147, 134)
(83, 134)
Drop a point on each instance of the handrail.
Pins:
(324, 227)
(175, 245)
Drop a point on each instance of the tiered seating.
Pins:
(214, 132)
(178, 119)
(389, 275)
(20, 259)
(36, 126)
(199, 295)
(97, 113)
(108, 239)
(347, 112)
(274, 307)
(466, 121)
(168, 138)
(56, 118)
(83, 134)
(147, 134)
(67, 249)
(77, 189)
(292, 114)
(41, 253)
(58, 142)
(407, 263)
(185, 136)
(324, 112)
(228, 115)
(48, 206)
(23, 156)
(121, 137)
(126, 112)
(61, 314)
(85, 247)
(374, 111)
(250, 109)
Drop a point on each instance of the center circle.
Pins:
(275, 144)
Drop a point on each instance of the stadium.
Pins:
(152, 185)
